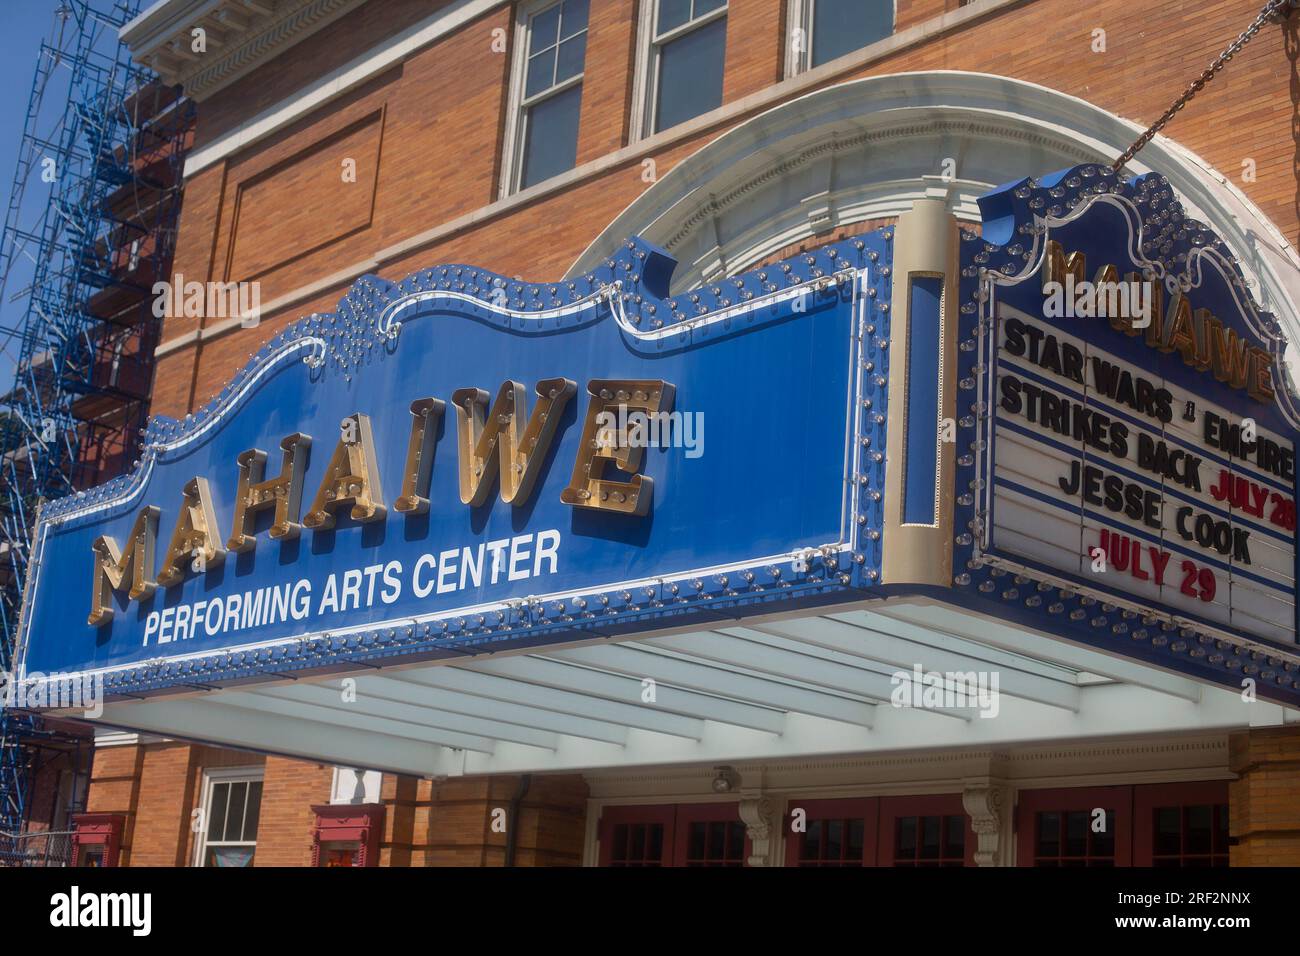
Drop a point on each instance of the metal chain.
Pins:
(1273, 11)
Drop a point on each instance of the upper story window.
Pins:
(682, 61)
(232, 803)
(546, 92)
(826, 29)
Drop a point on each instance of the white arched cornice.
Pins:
(866, 149)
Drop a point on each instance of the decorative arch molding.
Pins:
(869, 148)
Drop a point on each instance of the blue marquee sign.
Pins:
(1078, 421)
(1129, 475)
(462, 461)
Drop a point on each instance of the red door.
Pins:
(834, 833)
(931, 830)
(1083, 826)
(1181, 824)
(687, 834)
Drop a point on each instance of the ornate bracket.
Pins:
(761, 817)
(986, 806)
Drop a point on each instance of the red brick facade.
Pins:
(1264, 802)
(157, 786)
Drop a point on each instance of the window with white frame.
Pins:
(232, 802)
(683, 51)
(822, 30)
(546, 92)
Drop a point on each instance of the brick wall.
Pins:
(157, 786)
(404, 798)
(289, 789)
(755, 57)
(332, 47)
(552, 822)
(168, 783)
(459, 822)
(444, 110)
(909, 13)
(114, 787)
(607, 79)
(448, 823)
(1264, 802)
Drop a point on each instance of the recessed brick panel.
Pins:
(339, 173)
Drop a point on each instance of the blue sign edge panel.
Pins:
(630, 288)
(1017, 220)
(924, 362)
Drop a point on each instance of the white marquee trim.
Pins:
(869, 148)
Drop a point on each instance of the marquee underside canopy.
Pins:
(794, 686)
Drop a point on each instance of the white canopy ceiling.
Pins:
(796, 686)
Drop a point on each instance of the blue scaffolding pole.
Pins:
(89, 227)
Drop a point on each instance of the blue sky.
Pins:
(23, 25)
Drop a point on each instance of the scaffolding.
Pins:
(90, 227)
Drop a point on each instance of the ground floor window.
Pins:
(1167, 825)
(926, 831)
(834, 833)
(930, 840)
(232, 803)
(700, 834)
(1179, 825)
